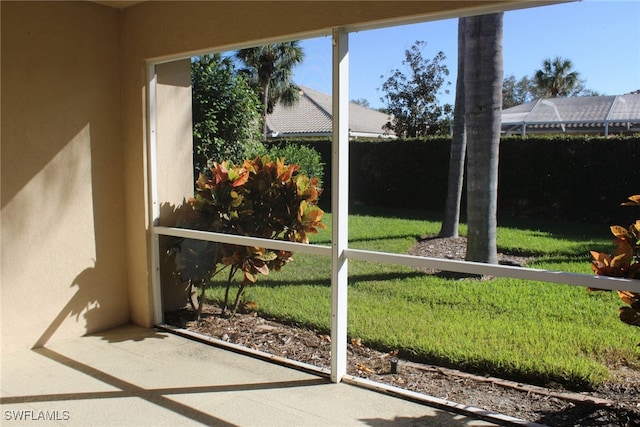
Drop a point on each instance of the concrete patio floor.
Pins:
(132, 376)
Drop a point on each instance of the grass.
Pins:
(518, 329)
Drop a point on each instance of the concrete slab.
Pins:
(133, 376)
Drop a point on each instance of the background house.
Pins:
(584, 114)
(312, 116)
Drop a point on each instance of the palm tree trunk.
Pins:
(483, 93)
(265, 109)
(458, 149)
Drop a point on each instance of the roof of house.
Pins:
(619, 113)
(311, 116)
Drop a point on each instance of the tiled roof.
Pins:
(588, 113)
(311, 116)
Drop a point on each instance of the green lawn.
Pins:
(506, 327)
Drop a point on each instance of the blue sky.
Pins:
(600, 37)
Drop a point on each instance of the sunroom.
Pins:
(96, 108)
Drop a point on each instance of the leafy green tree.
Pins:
(483, 75)
(556, 78)
(516, 92)
(269, 69)
(412, 98)
(226, 113)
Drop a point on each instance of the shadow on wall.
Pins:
(86, 302)
(101, 293)
(62, 173)
(93, 299)
(89, 301)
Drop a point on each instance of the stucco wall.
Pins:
(63, 244)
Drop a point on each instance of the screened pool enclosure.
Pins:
(603, 115)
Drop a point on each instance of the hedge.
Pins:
(578, 178)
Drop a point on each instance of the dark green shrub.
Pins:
(578, 178)
(570, 177)
(307, 158)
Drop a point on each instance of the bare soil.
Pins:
(615, 404)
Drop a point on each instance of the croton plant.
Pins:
(260, 198)
(625, 262)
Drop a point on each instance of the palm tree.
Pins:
(483, 75)
(270, 69)
(556, 77)
(458, 149)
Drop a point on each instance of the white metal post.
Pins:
(339, 203)
(152, 189)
